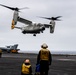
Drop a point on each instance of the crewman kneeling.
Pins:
(0, 53)
(26, 68)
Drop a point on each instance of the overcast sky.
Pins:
(64, 37)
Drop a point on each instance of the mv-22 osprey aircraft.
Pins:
(31, 28)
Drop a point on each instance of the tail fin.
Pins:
(14, 46)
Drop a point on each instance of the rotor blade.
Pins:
(52, 18)
(16, 9)
(8, 7)
(58, 16)
(45, 18)
(58, 19)
(23, 8)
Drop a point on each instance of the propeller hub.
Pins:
(17, 9)
(52, 18)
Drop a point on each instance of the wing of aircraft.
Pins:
(28, 22)
(24, 21)
(3, 48)
(18, 27)
(47, 25)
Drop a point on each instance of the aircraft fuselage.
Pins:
(33, 29)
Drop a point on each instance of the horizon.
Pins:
(52, 52)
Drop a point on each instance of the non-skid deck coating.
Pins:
(10, 64)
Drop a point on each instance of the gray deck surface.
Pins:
(10, 64)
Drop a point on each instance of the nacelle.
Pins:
(15, 17)
(52, 27)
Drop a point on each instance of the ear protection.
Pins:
(42, 46)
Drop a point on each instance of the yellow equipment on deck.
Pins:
(14, 51)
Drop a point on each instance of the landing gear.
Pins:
(23, 32)
(42, 31)
(34, 34)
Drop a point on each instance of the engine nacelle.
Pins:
(15, 17)
(14, 21)
(52, 27)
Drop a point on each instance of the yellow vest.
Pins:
(44, 54)
(25, 69)
(0, 51)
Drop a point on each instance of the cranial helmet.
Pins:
(44, 45)
(27, 61)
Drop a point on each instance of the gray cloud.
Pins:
(64, 37)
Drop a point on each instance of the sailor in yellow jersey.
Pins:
(0, 53)
(44, 58)
(26, 68)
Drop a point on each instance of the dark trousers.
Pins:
(44, 67)
(0, 55)
(44, 73)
